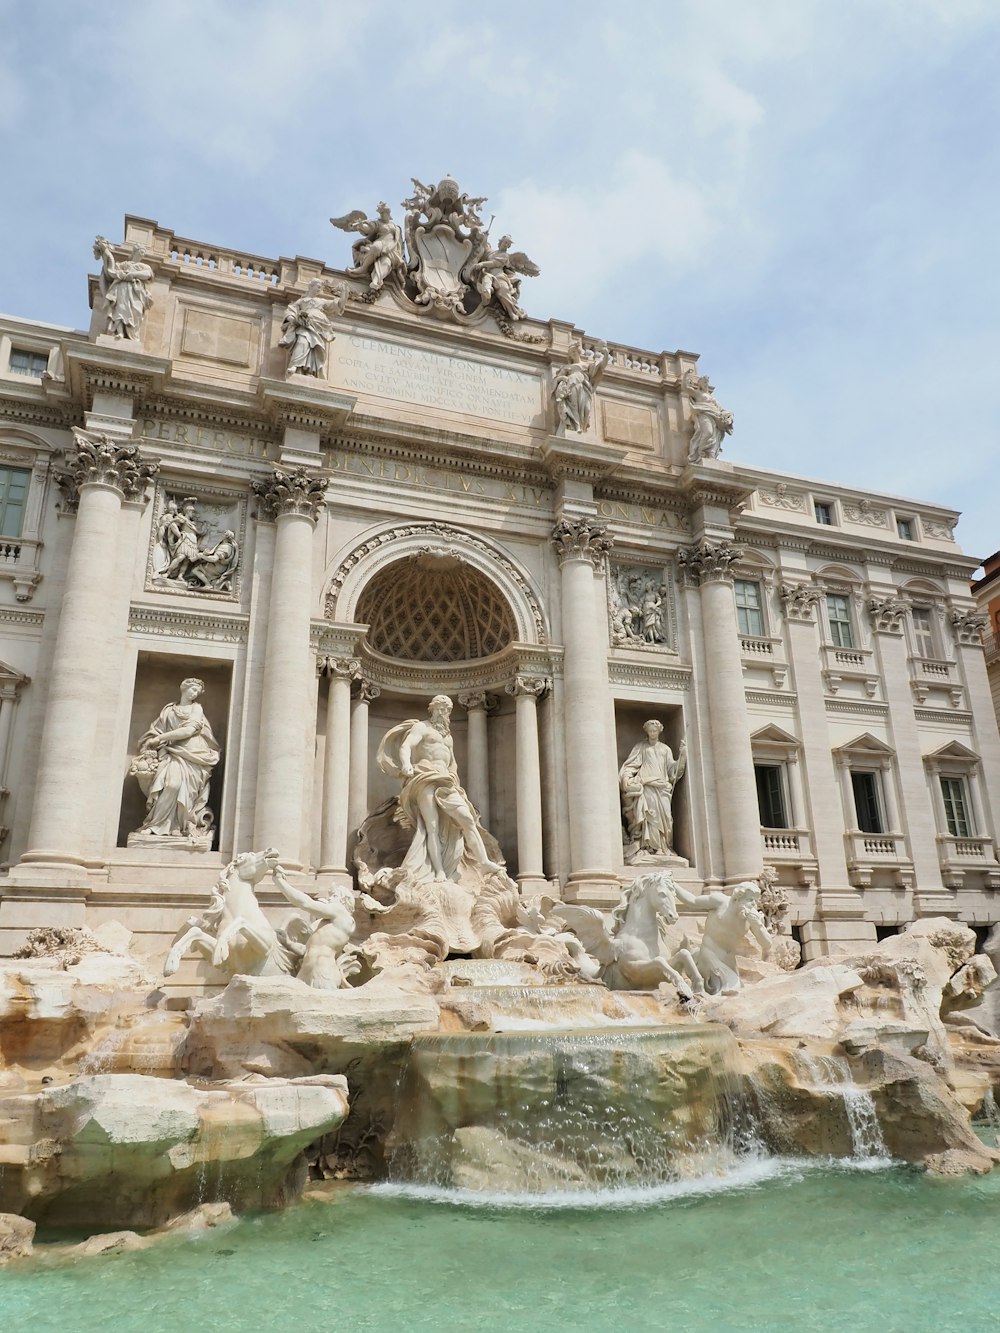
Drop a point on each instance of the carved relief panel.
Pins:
(641, 607)
(196, 547)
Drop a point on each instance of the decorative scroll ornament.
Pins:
(712, 423)
(339, 668)
(799, 600)
(478, 701)
(577, 539)
(969, 627)
(103, 460)
(296, 492)
(535, 687)
(863, 512)
(448, 265)
(887, 614)
(366, 691)
(709, 562)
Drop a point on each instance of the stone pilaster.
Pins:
(97, 477)
(581, 548)
(293, 499)
(709, 564)
(527, 690)
(357, 809)
(339, 672)
(477, 768)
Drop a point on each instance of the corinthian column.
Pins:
(581, 548)
(530, 873)
(340, 672)
(709, 564)
(293, 499)
(100, 473)
(357, 809)
(477, 764)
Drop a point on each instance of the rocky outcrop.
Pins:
(279, 1026)
(17, 1235)
(128, 1150)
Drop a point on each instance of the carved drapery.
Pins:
(296, 492)
(580, 540)
(102, 460)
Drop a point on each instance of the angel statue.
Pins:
(712, 423)
(306, 328)
(378, 251)
(573, 387)
(496, 274)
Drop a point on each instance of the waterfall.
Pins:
(834, 1073)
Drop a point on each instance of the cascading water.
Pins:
(834, 1073)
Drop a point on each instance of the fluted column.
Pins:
(100, 474)
(340, 672)
(581, 548)
(293, 499)
(477, 766)
(357, 809)
(527, 690)
(709, 563)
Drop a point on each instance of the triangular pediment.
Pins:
(866, 743)
(11, 676)
(772, 735)
(955, 751)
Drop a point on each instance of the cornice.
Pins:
(582, 460)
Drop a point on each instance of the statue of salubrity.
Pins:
(647, 780)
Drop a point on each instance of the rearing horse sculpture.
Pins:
(631, 953)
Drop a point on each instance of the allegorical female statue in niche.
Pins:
(647, 780)
(174, 768)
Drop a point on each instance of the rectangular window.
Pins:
(923, 632)
(838, 610)
(33, 364)
(749, 611)
(904, 529)
(824, 512)
(13, 493)
(868, 802)
(956, 807)
(771, 796)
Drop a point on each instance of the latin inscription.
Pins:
(225, 441)
(433, 379)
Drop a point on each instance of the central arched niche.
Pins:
(433, 607)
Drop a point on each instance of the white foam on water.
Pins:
(748, 1174)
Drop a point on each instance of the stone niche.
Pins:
(390, 708)
(629, 719)
(158, 678)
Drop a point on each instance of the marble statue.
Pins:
(573, 387)
(236, 936)
(631, 952)
(378, 251)
(174, 768)
(307, 327)
(446, 827)
(180, 558)
(712, 423)
(730, 917)
(496, 273)
(647, 780)
(123, 287)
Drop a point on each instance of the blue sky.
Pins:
(804, 191)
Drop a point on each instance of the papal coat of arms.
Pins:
(447, 264)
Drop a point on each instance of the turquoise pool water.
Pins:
(777, 1245)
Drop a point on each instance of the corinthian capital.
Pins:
(709, 562)
(969, 626)
(535, 687)
(296, 492)
(575, 539)
(799, 600)
(103, 460)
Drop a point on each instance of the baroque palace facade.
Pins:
(264, 509)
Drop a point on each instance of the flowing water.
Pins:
(775, 1245)
(834, 1073)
